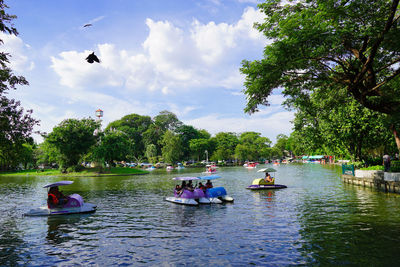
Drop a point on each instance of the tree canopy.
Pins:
(15, 124)
(73, 138)
(325, 44)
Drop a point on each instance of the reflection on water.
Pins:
(317, 220)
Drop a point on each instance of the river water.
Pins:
(317, 220)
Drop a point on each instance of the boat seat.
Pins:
(261, 181)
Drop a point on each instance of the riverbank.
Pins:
(384, 182)
(87, 172)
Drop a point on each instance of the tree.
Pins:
(281, 141)
(225, 146)
(73, 138)
(167, 120)
(325, 44)
(172, 147)
(251, 146)
(151, 153)
(113, 146)
(199, 146)
(16, 126)
(186, 134)
(134, 126)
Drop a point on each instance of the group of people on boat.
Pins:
(189, 186)
(55, 198)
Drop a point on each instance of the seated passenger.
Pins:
(178, 189)
(209, 184)
(268, 178)
(201, 186)
(56, 197)
(190, 186)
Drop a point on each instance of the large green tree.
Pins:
(199, 146)
(252, 146)
(16, 126)
(113, 146)
(314, 44)
(225, 145)
(134, 126)
(171, 147)
(167, 120)
(73, 138)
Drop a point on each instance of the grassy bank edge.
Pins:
(88, 172)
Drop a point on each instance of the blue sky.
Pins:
(180, 55)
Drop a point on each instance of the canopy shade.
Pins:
(58, 184)
(185, 178)
(267, 170)
(209, 177)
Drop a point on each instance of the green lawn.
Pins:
(85, 172)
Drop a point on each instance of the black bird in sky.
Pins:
(92, 58)
(87, 25)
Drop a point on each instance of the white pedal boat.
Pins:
(188, 197)
(72, 204)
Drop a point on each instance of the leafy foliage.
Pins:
(15, 124)
(329, 45)
(73, 138)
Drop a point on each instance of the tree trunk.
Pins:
(396, 136)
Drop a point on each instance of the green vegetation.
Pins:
(16, 126)
(337, 63)
(373, 168)
(84, 172)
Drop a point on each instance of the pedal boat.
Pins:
(74, 204)
(260, 183)
(187, 197)
(210, 169)
(216, 195)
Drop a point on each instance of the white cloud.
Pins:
(172, 59)
(19, 60)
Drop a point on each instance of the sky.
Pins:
(183, 56)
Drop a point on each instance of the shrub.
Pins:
(373, 168)
(395, 166)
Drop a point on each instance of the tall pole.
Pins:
(206, 156)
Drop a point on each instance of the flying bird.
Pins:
(92, 58)
(87, 25)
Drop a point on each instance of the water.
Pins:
(317, 220)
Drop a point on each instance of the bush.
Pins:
(357, 164)
(373, 168)
(395, 166)
(76, 168)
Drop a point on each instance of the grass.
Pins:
(85, 172)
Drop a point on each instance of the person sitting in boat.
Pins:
(209, 184)
(268, 178)
(202, 187)
(56, 197)
(190, 186)
(178, 188)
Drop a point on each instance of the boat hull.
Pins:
(45, 211)
(265, 187)
(217, 195)
(183, 201)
